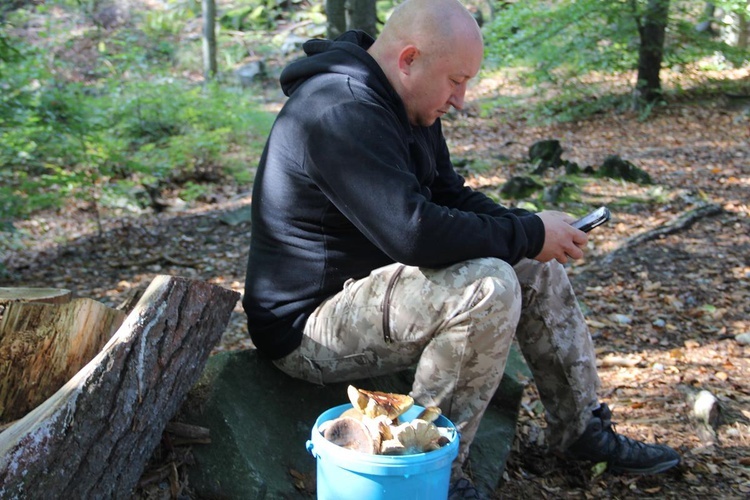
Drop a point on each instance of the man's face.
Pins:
(436, 82)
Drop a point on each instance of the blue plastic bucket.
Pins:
(346, 474)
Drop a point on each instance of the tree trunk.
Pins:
(209, 40)
(93, 437)
(743, 28)
(362, 15)
(336, 16)
(651, 51)
(43, 345)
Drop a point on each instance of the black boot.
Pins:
(463, 489)
(600, 443)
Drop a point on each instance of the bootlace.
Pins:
(621, 443)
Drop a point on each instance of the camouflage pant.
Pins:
(456, 324)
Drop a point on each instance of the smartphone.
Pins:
(592, 220)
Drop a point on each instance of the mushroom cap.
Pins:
(351, 434)
(375, 403)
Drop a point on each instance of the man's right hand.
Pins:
(561, 240)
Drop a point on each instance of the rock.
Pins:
(545, 155)
(260, 421)
(557, 192)
(571, 167)
(292, 43)
(743, 338)
(519, 187)
(251, 72)
(615, 167)
(707, 414)
(236, 217)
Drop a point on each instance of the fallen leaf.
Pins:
(598, 469)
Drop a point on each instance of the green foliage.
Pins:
(563, 39)
(246, 15)
(564, 43)
(60, 139)
(169, 22)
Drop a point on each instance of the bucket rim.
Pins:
(352, 459)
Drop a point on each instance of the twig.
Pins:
(680, 223)
(182, 430)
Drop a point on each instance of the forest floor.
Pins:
(668, 314)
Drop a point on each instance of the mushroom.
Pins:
(430, 414)
(374, 403)
(417, 436)
(351, 434)
(372, 425)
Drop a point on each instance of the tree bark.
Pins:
(743, 28)
(93, 437)
(362, 15)
(651, 52)
(209, 40)
(336, 17)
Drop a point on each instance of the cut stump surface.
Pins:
(94, 436)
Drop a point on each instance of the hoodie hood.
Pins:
(347, 55)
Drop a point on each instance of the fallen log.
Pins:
(94, 436)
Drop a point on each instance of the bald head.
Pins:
(428, 50)
(430, 24)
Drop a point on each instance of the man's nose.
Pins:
(457, 97)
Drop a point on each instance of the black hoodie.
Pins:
(346, 185)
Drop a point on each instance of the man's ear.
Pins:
(406, 58)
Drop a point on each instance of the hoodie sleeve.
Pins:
(364, 165)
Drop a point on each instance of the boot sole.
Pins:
(654, 469)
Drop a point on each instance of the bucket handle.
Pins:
(310, 448)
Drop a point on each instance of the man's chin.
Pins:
(428, 122)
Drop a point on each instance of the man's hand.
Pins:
(561, 240)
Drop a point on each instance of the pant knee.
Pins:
(498, 286)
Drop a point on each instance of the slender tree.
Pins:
(743, 27)
(651, 28)
(336, 15)
(362, 15)
(209, 39)
(346, 15)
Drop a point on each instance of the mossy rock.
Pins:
(519, 187)
(560, 191)
(615, 167)
(545, 155)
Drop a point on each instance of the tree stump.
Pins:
(93, 437)
(45, 295)
(43, 345)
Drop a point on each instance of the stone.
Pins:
(251, 72)
(545, 155)
(260, 421)
(519, 187)
(615, 167)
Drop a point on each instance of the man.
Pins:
(369, 254)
